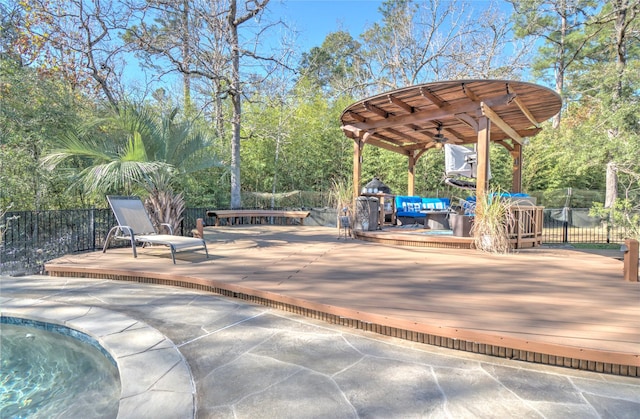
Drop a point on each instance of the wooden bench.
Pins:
(256, 216)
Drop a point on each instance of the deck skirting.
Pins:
(509, 348)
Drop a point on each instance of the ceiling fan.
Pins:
(439, 139)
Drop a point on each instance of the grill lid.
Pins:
(376, 186)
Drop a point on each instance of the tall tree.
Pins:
(34, 109)
(418, 42)
(335, 66)
(622, 18)
(173, 22)
(218, 55)
(560, 24)
(80, 40)
(600, 123)
(624, 14)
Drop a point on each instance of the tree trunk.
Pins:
(235, 92)
(624, 14)
(611, 185)
(235, 89)
(276, 160)
(620, 24)
(561, 64)
(186, 59)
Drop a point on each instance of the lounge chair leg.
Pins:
(108, 239)
(173, 253)
(133, 247)
(206, 251)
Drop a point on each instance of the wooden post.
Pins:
(411, 177)
(484, 128)
(516, 155)
(630, 269)
(199, 228)
(357, 166)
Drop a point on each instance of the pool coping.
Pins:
(155, 378)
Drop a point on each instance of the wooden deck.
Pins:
(550, 306)
(415, 237)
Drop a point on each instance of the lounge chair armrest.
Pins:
(126, 230)
(122, 229)
(169, 227)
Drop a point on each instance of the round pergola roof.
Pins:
(409, 119)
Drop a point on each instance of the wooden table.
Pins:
(438, 216)
(255, 215)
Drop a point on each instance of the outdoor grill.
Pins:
(376, 186)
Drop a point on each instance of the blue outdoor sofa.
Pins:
(410, 206)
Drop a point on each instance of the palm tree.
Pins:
(133, 150)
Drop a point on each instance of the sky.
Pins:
(313, 20)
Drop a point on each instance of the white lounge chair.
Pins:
(134, 225)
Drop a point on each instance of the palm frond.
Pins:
(135, 150)
(131, 147)
(71, 145)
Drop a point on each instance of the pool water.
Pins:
(50, 374)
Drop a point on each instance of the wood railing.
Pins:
(525, 230)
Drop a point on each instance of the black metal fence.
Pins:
(575, 225)
(33, 237)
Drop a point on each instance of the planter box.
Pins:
(461, 225)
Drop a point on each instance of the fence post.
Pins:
(92, 226)
(565, 225)
(630, 269)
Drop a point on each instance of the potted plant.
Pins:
(492, 223)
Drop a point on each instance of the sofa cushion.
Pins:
(408, 206)
(436, 203)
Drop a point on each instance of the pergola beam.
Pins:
(467, 119)
(526, 112)
(357, 117)
(469, 93)
(426, 93)
(405, 106)
(506, 145)
(455, 134)
(499, 122)
(352, 132)
(373, 108)
(430, 115)
(381, 144)
(402, 135)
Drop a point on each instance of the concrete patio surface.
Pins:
(553, 306)
(250, 361)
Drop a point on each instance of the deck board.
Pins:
(551, 299)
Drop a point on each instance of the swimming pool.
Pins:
(50, 371)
